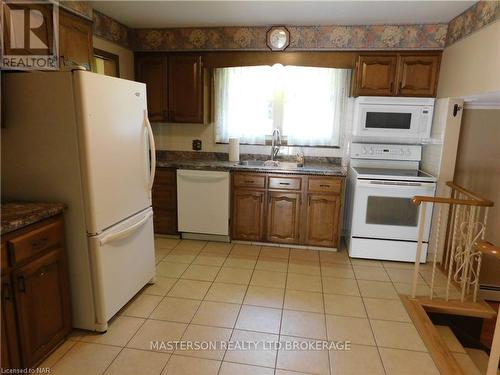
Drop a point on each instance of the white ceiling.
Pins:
(151, 14)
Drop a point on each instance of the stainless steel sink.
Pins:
(262, 163)
(252, 163)
(288, 165)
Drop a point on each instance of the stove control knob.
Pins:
(370, 151)
(408, 152)
(363, 151)
(402, 151)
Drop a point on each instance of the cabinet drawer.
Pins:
(285, 183)
(36, 241)
(326, 185)
(246, 180)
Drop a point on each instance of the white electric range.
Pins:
(382, 221)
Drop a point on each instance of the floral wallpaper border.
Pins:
(108, 28)
(377, 37)
(364, 37)
(477, 16)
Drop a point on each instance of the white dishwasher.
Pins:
(203, 202)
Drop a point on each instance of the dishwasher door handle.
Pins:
(201, 177)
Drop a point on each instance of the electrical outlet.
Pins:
(196, 144)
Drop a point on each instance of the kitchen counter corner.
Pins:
(17, 215)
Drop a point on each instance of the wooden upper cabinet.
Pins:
(398, 74)
(185, 89)
(283, 217)
(418, 75)
(375, 75)
(247, 221)
(152, 70)
(75, 40)
(323, 213)
(43, 306)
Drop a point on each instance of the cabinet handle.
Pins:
(284, 183)
(43, 272)
(324, 185)
(39, 244)
(6, 291)
(249, 182)
(392, 86)
(21, 284)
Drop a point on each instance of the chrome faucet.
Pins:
(275, 144)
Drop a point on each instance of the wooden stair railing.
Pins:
(459, 257)
(467, 219)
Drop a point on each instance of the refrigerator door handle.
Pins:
(152, 150)
(126, 232)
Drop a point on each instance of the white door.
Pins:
(115, 141)
(203, 202)
(383, 209)
(123, 261)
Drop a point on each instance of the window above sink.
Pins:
(307, 104)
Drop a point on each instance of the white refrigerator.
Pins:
(84, 139)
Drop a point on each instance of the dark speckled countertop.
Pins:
(17, 215)
(219, 162)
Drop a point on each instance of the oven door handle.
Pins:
(398, 185)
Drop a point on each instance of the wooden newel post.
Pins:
(421, 228)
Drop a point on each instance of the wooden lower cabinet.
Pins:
(164, 195)
(283, 217)
(288, 209)
(323, 212)
(247, 219)
(36, 314)
(10, 348)
(42, 305)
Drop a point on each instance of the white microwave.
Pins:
(380, 118)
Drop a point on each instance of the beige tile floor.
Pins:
(240, 292)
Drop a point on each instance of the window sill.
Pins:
(263, 145)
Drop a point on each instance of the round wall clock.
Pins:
(278, 38)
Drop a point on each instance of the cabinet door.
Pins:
(375, 75)
(247, 221)
(165, 209)
(10, 346)
(42, 304)
(152, 70)
(418, 75)
(164, 197)
(283, 216)
(185, 89)
(75, 40)
(322, 220)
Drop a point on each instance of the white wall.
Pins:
(472, 65)
(179, 137)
